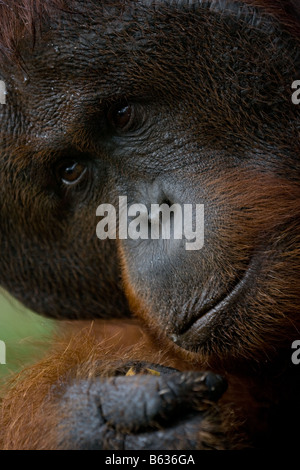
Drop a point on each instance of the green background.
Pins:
(25, 334)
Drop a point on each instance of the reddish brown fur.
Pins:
(29, 412)
(270, 203)
(29, 406)
(78, 354)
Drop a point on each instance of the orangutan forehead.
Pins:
(23, 18)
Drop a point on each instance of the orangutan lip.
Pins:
(194, 332)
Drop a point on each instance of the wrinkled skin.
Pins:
(211, 122)
(104, 418)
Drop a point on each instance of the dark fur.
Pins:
(215, 90)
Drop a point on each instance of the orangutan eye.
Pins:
(121, 116)
(71, 172)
